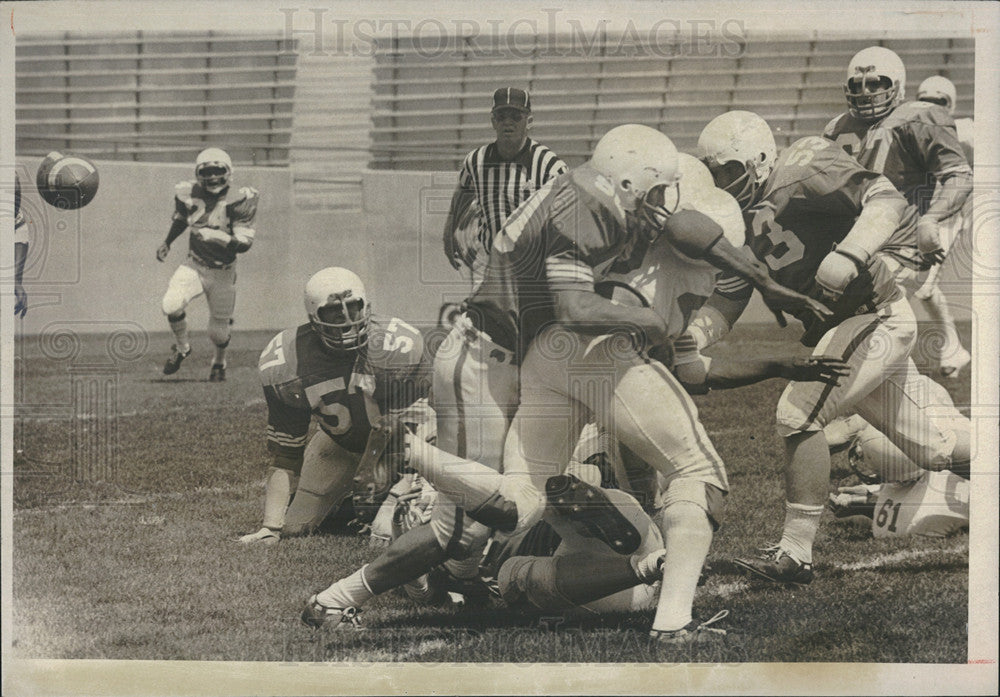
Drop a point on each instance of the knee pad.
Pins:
(531, 581)
(218, 331)
(173, 305)
(707, 497)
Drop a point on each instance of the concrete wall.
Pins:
(96, 266)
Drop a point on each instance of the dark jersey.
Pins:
(224, 211)
(552, 242)
(810, 202)
(347, 393)
(914, 146)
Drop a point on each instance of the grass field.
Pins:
(144, 565)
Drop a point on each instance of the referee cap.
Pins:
(512, 98)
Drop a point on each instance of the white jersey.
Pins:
(674, 284)
(935, 505)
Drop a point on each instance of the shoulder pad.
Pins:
(278, 362)
(245, 193)
(919, 112)
(394, 343)
(695, 177)
(184, 191)
(724, 211)
(833, 126)
(598, 190)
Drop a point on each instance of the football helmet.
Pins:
(338, 309)
(212, 168)
(876, 82)
(744, 138)
(641, 164)
(939, 90)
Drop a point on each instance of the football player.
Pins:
(348, 370)
(898, 497)
(915, 145)
(20, 252)
(580, 214)
(220, 220)
(816, 218)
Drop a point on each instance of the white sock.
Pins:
(352, 591)
(801, 524)
(687, 535)
(180, 329)
(220, 355)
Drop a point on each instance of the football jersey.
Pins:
(204, 210)
(965, 129)
(500, 186)
(913, 146)
(810, 202)
(552, 242)
(935, 505)
(347, 393)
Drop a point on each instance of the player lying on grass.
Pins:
(817, 219)
(347, 369)
(607, 211)
(536, 566)
(900, 498)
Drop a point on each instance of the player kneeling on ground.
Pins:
(349, 370)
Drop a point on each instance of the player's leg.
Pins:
(952, 356)
(327, 476)
(185, 285)
(221, 293)
(871, 345)
(644, 407)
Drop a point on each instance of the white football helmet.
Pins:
(212, 168)
(745, 138)
(338, 309)
(939, 90)
(876, 83)
(641, 164)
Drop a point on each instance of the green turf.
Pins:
(145, 566)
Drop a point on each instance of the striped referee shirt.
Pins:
(500, 186)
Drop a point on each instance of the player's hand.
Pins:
(20, 301)
(780, 299)
(162, 251)
(815, 369)
(929, 240)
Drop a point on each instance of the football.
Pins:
(67, 181)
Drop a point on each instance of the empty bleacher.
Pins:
(431, 101)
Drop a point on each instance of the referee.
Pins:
(495, 179)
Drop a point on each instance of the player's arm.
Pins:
(463, 197)
(287, 430)
(242, 214)
(577, 305)
(700, 237)
(20, 296)
(881, 209)
(179, 223)
(700, 373)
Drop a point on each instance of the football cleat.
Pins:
(265, 536)
(590, 507)
(952, 367)
(694, 632)
(173, 363)
(777, 566)
(218, 373)
(315, 614)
